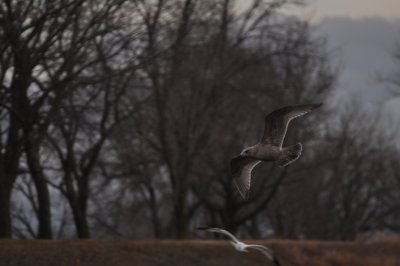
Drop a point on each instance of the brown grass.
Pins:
(194, 253)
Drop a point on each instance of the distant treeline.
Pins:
(119, 118)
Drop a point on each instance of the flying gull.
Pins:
(270, 146)
(242, 247)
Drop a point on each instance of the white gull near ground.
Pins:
(242, 247)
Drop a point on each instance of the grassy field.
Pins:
(194, 253)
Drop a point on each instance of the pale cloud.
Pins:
(317, 10)
(389, 9)
(363, 48)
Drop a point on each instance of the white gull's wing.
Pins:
(220, 231)
(276, 123)
(241, 167)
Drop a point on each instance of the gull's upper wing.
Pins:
(220, 231)
(276, 123)
(267, 252)
(241, 167)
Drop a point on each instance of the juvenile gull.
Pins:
(242, 247)
(270, 146)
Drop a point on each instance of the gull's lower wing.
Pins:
(267, 252)
(241, 168)
(276, 123)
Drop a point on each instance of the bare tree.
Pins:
(95, 104)
(190, 82)
(343, 196)
(205, 74)
(29, 30)
(48, 48)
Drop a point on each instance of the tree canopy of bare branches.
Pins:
(120, 117)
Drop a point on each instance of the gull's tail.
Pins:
(276, 262)
(289, 154)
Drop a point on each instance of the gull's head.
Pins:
(247, 152)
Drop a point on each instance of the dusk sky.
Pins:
(361, 38)
(356, 8)
(362, 35)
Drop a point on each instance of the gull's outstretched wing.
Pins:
(276, 123)
(267, 252)
(219, 231)
(241, 168)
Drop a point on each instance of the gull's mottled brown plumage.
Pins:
(270, 146)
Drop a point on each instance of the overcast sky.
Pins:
(362, 35)
(389, 9)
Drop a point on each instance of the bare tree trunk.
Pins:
(180, 217)
(5, 219)
(81, 224)
(77, 200)
(9, 161)
(152, 202)
(78, 205)
(44, 215)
